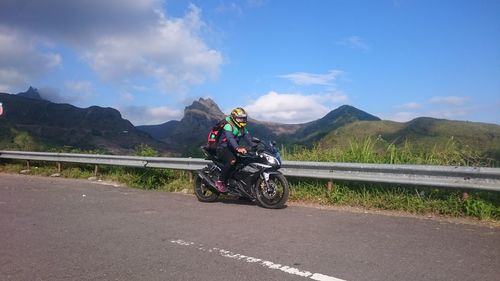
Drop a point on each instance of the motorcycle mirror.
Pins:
(256, 140)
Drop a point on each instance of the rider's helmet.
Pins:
(239, 117)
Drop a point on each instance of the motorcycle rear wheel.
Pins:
(203, 192)
(276, 195)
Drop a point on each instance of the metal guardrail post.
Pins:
(329, 186)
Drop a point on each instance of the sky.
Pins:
(287, 61)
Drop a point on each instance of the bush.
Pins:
(146, 151)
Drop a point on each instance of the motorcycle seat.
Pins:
(211, 155)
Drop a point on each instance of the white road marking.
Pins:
(268, 264)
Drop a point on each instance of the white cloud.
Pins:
(143, 115)
(11, 79)
(410, 105)
(293, 108)
(229, 9)
(449, 113)
(53, 94)
(449, 100)
(304, 78)
(171, 51)
(447, 107)
(441, 113)
(78, 22)
(73, 92)
(121, 40)
(127, 97)
(20, 62)
(83, 89)
(402, 116)
(354, 42)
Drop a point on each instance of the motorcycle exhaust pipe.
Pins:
(207, 180)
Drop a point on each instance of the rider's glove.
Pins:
(241, 150)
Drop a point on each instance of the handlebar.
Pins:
(259, 146)
(250, 153)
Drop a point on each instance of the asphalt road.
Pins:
(62, 229)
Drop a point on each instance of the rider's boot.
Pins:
(221, 187)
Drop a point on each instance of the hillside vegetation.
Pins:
(31, 123)
(420, 136)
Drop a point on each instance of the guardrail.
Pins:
(474, 178)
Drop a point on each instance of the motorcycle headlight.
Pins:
(271, 159)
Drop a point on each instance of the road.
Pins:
(64, 229)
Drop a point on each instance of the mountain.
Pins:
(27, 115)
(337, 118)
(336, 129)
(160, 132)
(421, 133)
(191, 131)
(31, 93)
(56, 125)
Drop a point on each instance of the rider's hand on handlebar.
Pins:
(241, 150)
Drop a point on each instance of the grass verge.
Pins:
(421, 201)
(481, 205)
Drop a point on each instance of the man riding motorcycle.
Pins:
(228, 144)
(252, 174)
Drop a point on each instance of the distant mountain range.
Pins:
(191, 131)
(104, 128)
(57, 125)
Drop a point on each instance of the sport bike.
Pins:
(255, 177)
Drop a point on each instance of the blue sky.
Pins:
(284, 61)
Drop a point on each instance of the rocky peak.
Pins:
(206, 107)
(31, 93)
(207, 103)
(193, 127)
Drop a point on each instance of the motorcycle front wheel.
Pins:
(274, 194)
(203, 192)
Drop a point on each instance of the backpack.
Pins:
(215, 133)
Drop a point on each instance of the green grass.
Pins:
(422, 201)
(424, 134)
(482, 205)
(479, 204)
(379, 151)
(143, 178)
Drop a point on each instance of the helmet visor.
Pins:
(241, 119)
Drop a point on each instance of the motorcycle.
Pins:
(255, 177)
